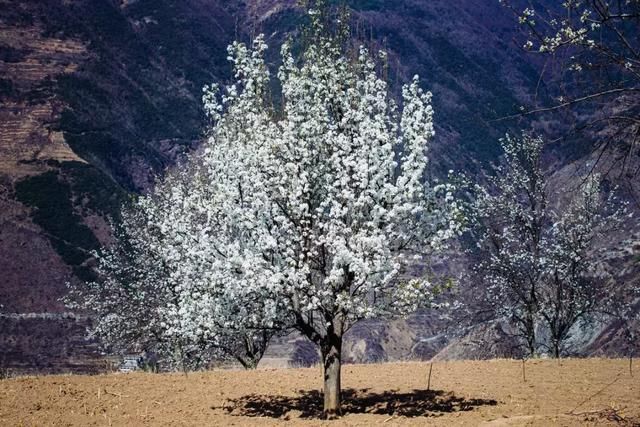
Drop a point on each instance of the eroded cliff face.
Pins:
(99, 96)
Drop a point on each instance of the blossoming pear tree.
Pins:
(539, 260)
(577, 285)
(593, 51)
(511, 221)
(310, 210)
(155, 292)
(321, 200)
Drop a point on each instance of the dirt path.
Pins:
(491, 393)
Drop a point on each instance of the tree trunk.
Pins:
(556, 348)
(530, 336)
(531, 347)
(331, 359)
(247, 363)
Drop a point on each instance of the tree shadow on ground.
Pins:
(308, 404)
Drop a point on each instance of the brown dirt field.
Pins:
(491, 393)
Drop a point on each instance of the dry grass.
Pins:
(570, 392)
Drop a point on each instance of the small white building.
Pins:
(131, 363)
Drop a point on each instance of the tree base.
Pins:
(331, 415)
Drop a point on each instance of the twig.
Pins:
(429, 379)
(598, 411)
(571, 412)
(113, 393)
(565, 104)
(524, 374)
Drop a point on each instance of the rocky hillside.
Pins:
(98, 96)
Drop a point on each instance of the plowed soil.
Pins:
(491, 393)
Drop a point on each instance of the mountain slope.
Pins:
(98, 96)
